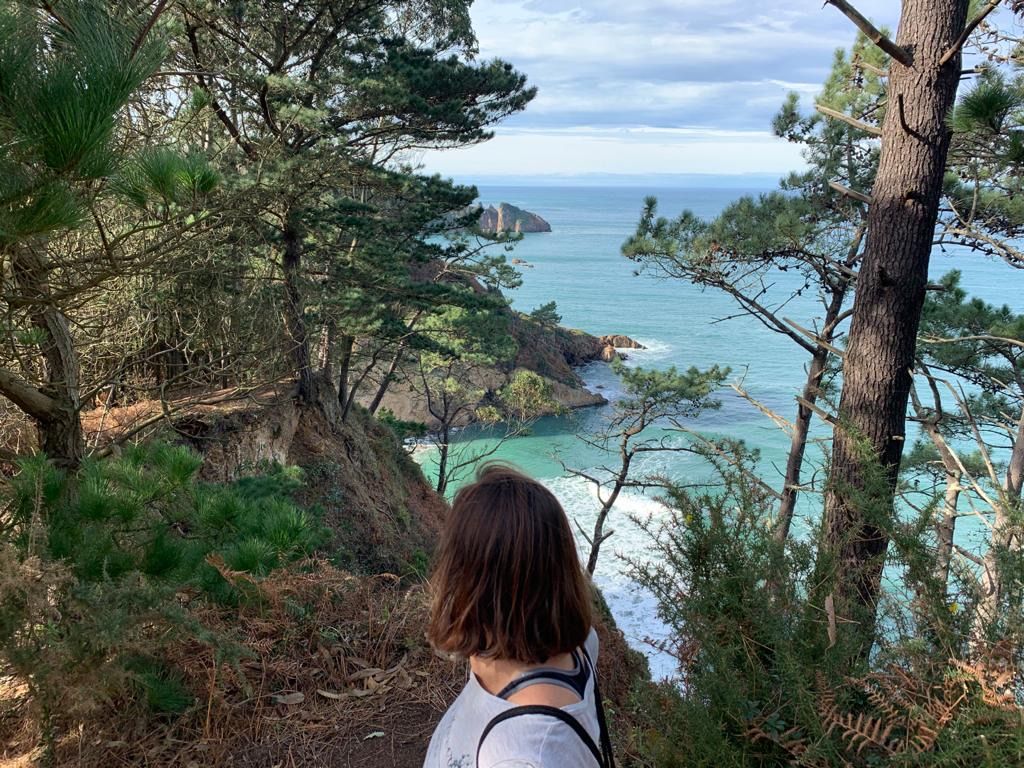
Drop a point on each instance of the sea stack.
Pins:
(508, 218)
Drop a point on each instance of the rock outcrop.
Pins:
(509, 219)
(610, 346)
(552, 352)
(621, 342)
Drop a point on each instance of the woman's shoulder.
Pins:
(592, 644)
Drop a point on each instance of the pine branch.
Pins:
(860, 125)
(968, 30)
(902, 55)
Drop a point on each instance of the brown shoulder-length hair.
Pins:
(508, 583)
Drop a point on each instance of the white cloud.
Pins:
(607, 64)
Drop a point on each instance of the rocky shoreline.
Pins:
(554, 353)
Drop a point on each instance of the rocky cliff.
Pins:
(508, 218)
(553, 352)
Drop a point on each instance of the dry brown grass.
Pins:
(335, 672)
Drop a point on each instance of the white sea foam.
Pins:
(634, 608)
(654, 351)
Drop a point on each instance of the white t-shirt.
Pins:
(526, 741)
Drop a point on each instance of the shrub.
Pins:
(759, 686)
(98, 570)
(404, 430)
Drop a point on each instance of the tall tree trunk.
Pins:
(798, 444)
(295, 314)
(326, 351)
(347, 345)
(812, 389)
(946, 529)
(59, 423)
(626, 459)
(869, 438)
(389, 375)
(442, 460)
(1015, 469)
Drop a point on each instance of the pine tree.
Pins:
(813, 229)
(924, 75)
(317, 99)
(67, 73)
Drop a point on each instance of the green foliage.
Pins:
(987, 105)
(759, 683)
(97, 568)
(983, 183)
(654, 394)
(162, 688)
(525, 397)
(546, 315)
(402, 429)
(62, 91)
(732, 597)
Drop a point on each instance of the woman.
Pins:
(511, 597)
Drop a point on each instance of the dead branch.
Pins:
(828, 418)
(860, 125)
(902, 55)
(779, 421)
(968, 555)
(983, 337)
(852, 193)
(863, 65)
(968, 30)
(816, 338)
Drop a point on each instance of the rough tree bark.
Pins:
(798, 444)
(887, 311)
(345, 396)
(295, 316)
(56, 405)
(442, 460)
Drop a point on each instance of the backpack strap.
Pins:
(539, 709)
(607, 754)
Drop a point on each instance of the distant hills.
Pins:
(743, 181)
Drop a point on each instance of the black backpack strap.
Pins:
(606, 740)
(539, 709)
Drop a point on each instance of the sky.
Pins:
(646, 87)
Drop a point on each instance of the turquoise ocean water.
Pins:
(579, 266)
